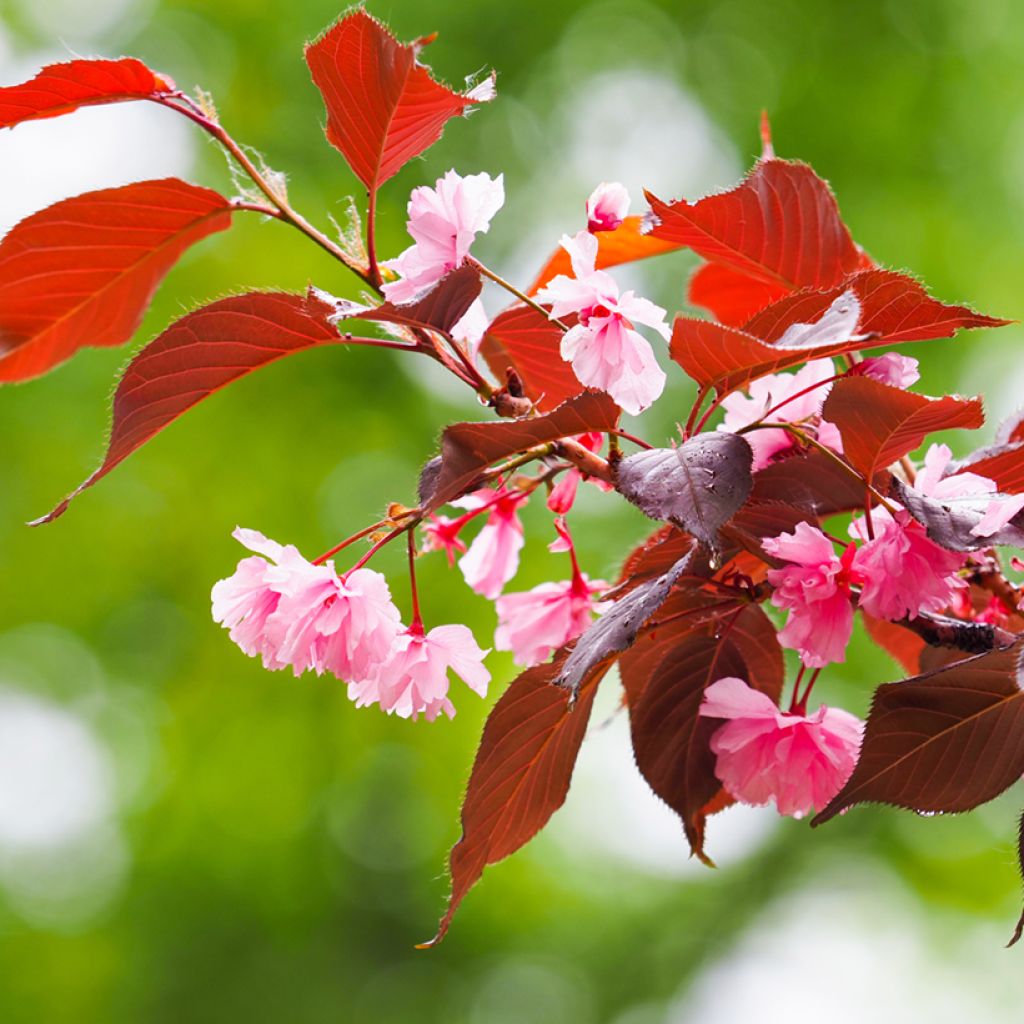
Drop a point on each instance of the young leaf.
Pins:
(780, 225)
(469, 448)
(201, 353)
(732, 297)
(616, 630)
(62, 88)
(526, 341)
(82, 271)
(880, 424)
(944, 741)
(520, 776)
(698, 485)
(383, 106)
(625, 244)
(951, 522)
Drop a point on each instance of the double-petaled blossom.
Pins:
(782, 398)
(763, 753)
(902, 572)
(493, 557)
(414, 680)
(563, 494)
(288, 611)
(443, 222)
(891, 368)
(603, 347)
(607, 206)
(815, 588)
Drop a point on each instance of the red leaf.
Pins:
(439, 310)
(894, 307)
(1002, 463)
(82, 271)
(880, 424)
(526, 341)
(61, 88)
(944, 741)
(900, 643)
(200, 354)
(383, 106)
(625, 244)
(780, 225)
(732, 297)
(813, 481)
(520, 776)
(468, 448)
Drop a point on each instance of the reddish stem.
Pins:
(416, 625)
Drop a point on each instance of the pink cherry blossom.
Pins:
(414, 680)
(472, 326)
(563, 494)
(443, 222)
(903, 572)
(891, 368)
(607, 206)
(784, 390)
(764, 754)
(442, 534)
(816, 590)
(291, 612)
(604, 349)
(493, 557)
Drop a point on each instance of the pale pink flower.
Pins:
(902, 572)
(816, 590)
(291, 612)
(604, 349)
(414, 681)
(493, 557)
(442, 534)
(607, 206)
(472, 327)
(563, 494)
(443, 222)
(784, 390)
(891, 368)
(533, 623)
(764, 754)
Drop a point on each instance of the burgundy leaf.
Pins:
(813, 481)
(945, 741)
(383, 106)
(83, 271)
(201, 353)
(880, 424)
(698, 485)
(526, 341)
(520, 776)
(62, 88)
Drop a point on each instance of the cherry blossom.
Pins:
(604, 349)
(815, 588)
(443, 222)
(563, 494)
(493, 557)
(441, 533)
(891, 368)
(607, 206)
(291, 612)
(414, 680)
(471, 328)
(785, 391)
(800, 761)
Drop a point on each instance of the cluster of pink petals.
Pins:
(607, 206)
(443, 222)
(815, 587)
(563, 494)
(288, 611)
(493, 557)
(414, 679)
(604, 349)
(891, 368)
(536, 622)
(766, 393)
(764, 754)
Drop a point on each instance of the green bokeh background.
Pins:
(277, 852)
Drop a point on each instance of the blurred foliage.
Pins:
(283, 851)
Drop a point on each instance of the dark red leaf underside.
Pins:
(62, 88)
(440, 309)
(200, 354)
(625, 244)
(880, 424)
(946, 741)
(83, 271)
(520, 776)
(732, 297)
(468, 448)
(383, 106)
(780, 225)
(526, 341)
(815, 482)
